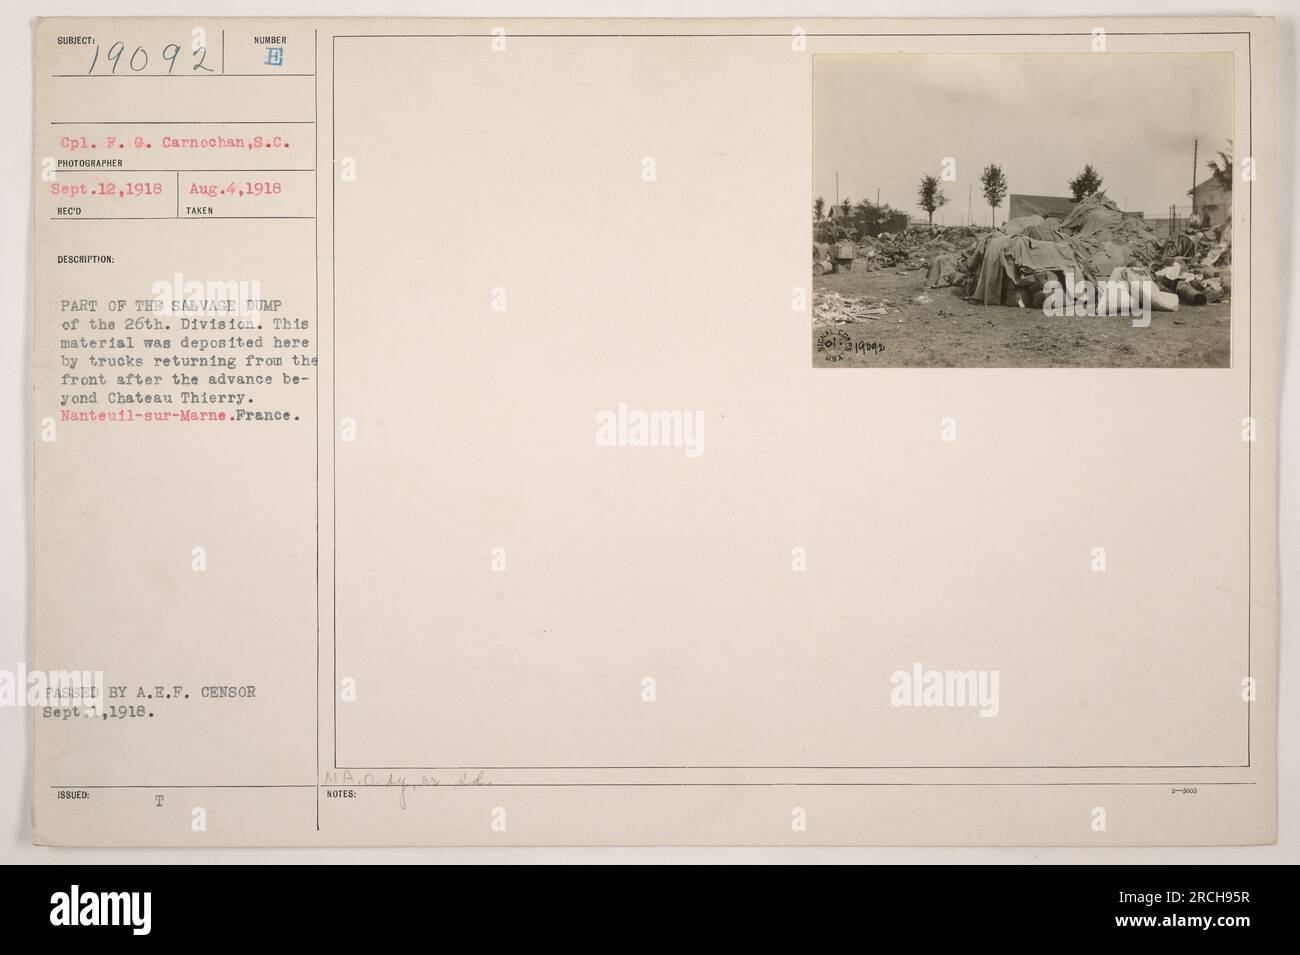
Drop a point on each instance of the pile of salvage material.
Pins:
(1096, 242)
(1197, 266)
(906, 251)
(832, 308)
(834, 256)
(913, 249)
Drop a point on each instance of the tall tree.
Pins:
(819, 208)
(1085, 183)
(930, 196)
(846, 206)
(994, 183)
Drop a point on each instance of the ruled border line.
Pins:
(334, 378)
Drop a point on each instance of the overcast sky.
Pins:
(884, 121)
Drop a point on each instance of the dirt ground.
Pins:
(949, 332)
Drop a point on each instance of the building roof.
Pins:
(1211, 185)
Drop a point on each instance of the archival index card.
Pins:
(443, 435)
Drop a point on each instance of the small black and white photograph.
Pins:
(1023, 210)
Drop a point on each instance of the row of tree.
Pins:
(931, 197)
(993, 181)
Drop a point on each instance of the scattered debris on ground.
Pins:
(875, 299)
(832, 308)
(884, 306)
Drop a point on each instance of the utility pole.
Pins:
(837, 187)
(1195, 144)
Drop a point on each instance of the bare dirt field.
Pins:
(946, 331)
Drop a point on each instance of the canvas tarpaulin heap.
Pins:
(1010, 262)
(1096, 222)
(1093, 240)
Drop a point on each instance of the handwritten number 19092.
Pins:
(138, 61)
